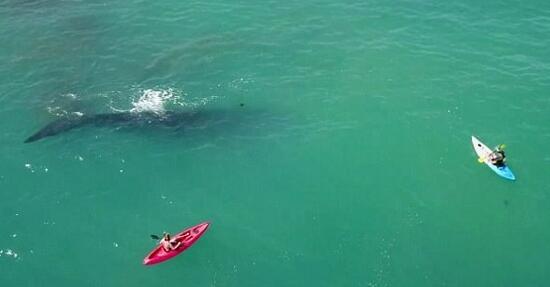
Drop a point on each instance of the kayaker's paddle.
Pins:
(155, 237)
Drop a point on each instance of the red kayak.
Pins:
(187, 238)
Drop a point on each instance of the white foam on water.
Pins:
(159, 100)
(29, 167)
(32, 169)
(9, 252)
(154, 101)
(57, 107)
(57, 111)
(70, 95)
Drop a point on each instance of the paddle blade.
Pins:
(156, 237)
(480, 160)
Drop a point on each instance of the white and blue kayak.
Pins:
(483, 153)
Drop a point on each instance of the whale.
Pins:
(171, 119)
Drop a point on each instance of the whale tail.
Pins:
(56, 127)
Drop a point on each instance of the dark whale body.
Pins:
(171, 119)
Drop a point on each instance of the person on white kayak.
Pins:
(497, 157)
(169, 244)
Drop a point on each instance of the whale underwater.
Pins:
(171, 119)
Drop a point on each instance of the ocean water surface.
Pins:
(327, 142)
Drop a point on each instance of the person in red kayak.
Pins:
(169, 244)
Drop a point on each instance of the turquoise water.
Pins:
(350, 163)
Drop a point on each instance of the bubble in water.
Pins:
(29, 167)
(10, 252)
(69, 95)
(153, 101)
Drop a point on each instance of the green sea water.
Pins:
(349, 163)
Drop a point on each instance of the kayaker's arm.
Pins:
(177, 246)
